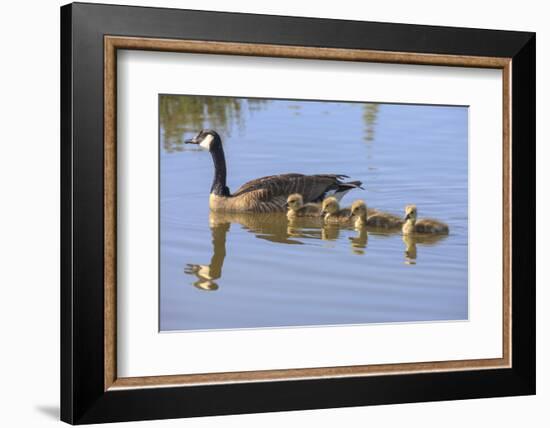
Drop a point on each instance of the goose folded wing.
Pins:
(277, 188)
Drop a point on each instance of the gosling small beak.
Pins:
(407, 217)
(323, 212)
(286, 205)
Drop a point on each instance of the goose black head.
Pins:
(207, 139)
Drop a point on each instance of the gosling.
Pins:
(364, 217)
(296, 207)
(332, 214)
(425, 225)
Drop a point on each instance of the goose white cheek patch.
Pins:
(206, 142)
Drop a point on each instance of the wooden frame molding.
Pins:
(113, 43)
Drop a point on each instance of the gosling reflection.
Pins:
(412, 240)
(208, 274)
(315, 229)
(305, 227)
(359, 242)
(330, 232)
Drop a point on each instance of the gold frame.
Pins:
(113, 43)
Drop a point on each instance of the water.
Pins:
(227, 271)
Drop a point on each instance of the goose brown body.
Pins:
(267, 194)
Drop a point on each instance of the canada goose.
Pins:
(372, 218)
(425, 225)
(266, 194)
(332, 213)
(297, 208)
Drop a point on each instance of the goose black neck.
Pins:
(219, 186)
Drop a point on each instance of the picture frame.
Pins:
(91, 391)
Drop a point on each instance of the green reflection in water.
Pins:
(370, 114)
(180, 114)
(190, 113)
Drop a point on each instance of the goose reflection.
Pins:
(208, 274)
(272, 227)
(411, 241)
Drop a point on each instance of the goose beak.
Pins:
(201, 139)
(323, 212)
(195, 139)
(191, 141)
(406, 217)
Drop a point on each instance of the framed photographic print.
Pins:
(265, 213)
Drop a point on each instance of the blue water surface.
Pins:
(228, 272)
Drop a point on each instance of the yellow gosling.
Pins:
(297, 208)
(364, 217)
(332, 214)
(426, 225)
